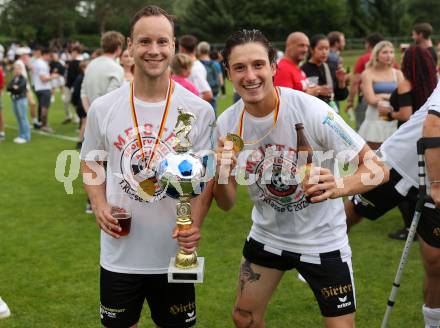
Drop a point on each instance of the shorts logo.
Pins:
(341, 292)
(109, 312)
(343, 299)
(175, 309)
(436, 232)
(191, 316)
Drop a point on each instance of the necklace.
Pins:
(148, 185)
(237, 139)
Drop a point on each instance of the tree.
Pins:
(25, 19)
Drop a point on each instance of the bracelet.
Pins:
(435, 181)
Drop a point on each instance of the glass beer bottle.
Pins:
(303, 145)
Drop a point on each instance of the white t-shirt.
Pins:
(199, 77)
(400, 150)
(40, 67)
(148, 247)
(282, 217)
(102, 75)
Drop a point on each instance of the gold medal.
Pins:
(237, 142)
(237, 139)
(149, 186)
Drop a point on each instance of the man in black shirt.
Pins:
(73, 71)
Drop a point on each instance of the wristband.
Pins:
(435, 181)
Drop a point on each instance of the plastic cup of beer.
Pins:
(124, 219)
(121, 211)
(312, 81)
(384, 104)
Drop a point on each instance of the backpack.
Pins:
(212, 76)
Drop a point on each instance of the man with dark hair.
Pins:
(42, 78)
(103, 74)
(370, 41)
(337, 44)
(72, 73)
(421, 34)
(293, 227)
(199, 75)
(127, 124)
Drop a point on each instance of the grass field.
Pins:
(49, 251)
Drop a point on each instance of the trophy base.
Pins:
(191, 275)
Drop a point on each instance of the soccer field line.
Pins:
(52, 135)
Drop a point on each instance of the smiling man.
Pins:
(289, 230)
(133, 124)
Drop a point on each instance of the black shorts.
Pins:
(376, 202)
(122, 296)
(43, 97)
(329, 275)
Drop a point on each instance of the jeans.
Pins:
(20, 109)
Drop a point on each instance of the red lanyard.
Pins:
(162, 123)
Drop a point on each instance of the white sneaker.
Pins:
(2, 136)
(19, 140)
(89, 208)
(4, 310)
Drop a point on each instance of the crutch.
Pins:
(422, 145)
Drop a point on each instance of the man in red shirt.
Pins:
(2, 84)
(288, 72)
(370, 41)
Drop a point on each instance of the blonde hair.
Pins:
(180, 62)
(376, 50)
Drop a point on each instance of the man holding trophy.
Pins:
(139, 127)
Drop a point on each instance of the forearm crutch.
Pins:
(422, 145)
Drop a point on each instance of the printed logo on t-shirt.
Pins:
(330, 121)
(275, 178)
(132, 166)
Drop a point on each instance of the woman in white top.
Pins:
(378, 82)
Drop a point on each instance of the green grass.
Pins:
(49, 252)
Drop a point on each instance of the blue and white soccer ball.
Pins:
(182, 175)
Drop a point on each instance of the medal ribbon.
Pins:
(162, 123)
(275, 118)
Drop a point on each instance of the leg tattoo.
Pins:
(247, 274)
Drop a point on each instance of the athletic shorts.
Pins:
(376, 202)
(57, 82)
(123, 294)
(329, 275)
(43, 97)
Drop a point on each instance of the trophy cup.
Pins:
(183, 175)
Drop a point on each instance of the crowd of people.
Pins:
(126, 99)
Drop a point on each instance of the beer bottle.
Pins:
(302, 145)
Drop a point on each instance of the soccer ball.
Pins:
(182, 175)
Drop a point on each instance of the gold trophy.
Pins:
(184, 175)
